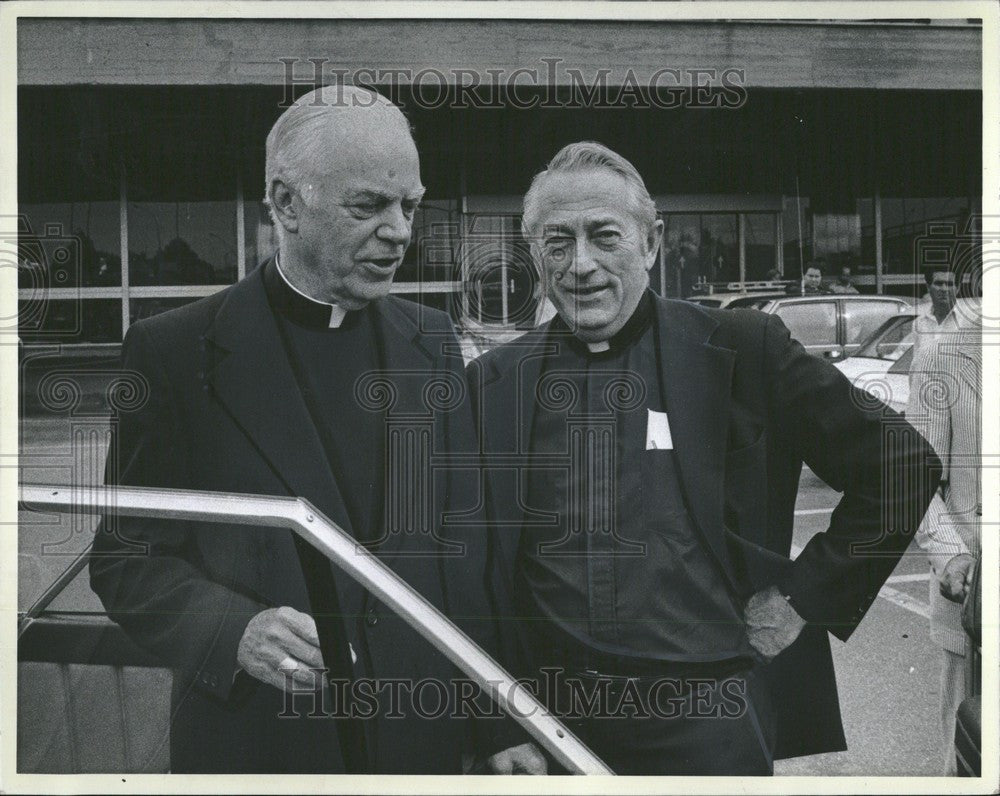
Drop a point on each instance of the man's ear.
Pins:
(282, 201)
(653, 240)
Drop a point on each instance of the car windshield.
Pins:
(890, 341)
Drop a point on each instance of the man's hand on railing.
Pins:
(279, 642)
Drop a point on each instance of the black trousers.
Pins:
(685, 725)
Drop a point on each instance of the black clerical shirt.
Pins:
(328, 360)
(623, 571)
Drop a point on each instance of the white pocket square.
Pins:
(658, 431)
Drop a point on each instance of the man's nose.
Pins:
(395, 226)
(583, 263)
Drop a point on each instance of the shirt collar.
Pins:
(296, 305)
(930, 314)
(633, 329)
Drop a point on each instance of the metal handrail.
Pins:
(326, 536)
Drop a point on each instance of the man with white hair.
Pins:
(644, 458)
(289, 383)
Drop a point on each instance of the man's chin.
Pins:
(590, 328)
(362, 295)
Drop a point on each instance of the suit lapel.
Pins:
(509, 417)
(695, 381)
(407, 364)
(250, 375)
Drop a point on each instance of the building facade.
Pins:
(766, 145)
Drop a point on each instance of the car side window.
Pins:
(812, 323)
(861, 318)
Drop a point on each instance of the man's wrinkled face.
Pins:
(355, 217)
(943, 291)
(813, 278)
(594, 254)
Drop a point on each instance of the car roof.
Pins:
(735, 294)
(843, 297)
(722, 299)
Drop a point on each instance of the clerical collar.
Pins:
(296, 305)
(634, 327)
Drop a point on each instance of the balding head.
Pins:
(343, 185)
(331, 121)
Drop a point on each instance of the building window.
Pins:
(760, 235)
(431, 256)
(905, 222)
(182, 243)
(95, 231)
(45, 320)
(797, 243)
(496, 267)
(719, 248)
(837, 240)
(700, 247)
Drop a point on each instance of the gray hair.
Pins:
(586, 156)
(295, 144)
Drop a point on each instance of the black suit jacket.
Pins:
(224, 413)
(747, 405)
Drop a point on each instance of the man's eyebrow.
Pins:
(603, 222)
(365, 195)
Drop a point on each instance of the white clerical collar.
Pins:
(598, 347)
(337, 313)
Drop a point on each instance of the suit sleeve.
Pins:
(146, 571)
(886, 471)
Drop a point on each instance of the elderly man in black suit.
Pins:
(286, 384)
(644, 459)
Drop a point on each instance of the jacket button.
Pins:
(372, 619)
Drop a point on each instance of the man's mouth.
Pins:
(586, 291)
(384, 265)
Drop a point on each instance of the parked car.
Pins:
(834, 325)
(881, 366)
(731, 301)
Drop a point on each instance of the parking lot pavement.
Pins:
(887, 673)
